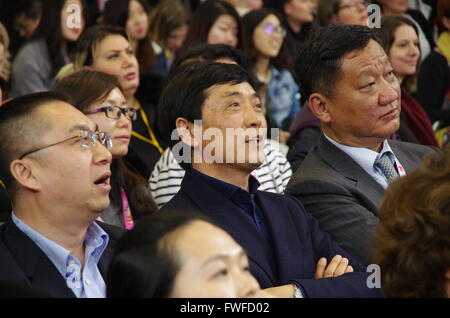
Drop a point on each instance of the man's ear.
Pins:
(319, 107)
(185, 130)
(22, 171)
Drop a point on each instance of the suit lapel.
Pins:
(351, 170)
(35, 265)
(227, 216)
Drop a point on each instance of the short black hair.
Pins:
(184, 94)
(20, 130)
(204, 52)
(141, 266)
(319, 58)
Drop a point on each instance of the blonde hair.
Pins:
(5, 65)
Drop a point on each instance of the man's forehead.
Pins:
(230, 89)
(66, 116)
(372, 57)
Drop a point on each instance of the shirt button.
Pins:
(88, 282)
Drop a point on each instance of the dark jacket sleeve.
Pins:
(350, 285)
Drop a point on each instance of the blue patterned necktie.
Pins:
(386, 166)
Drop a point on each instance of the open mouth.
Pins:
(104, 180)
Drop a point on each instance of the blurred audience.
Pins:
(342, 12)
(133, 15)
(168, 25)
(39, 60)
(265, 36)
(215, 22)
(400, 40)
(107, 49)
(424, 27)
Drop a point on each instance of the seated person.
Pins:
(107, 49)
(99, 96)
(167, 175)
(282, 240)
(179, 254)
(56, 169)
(411, 240)
(400, 40)
(351, 87)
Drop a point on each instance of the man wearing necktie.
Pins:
(352, 89)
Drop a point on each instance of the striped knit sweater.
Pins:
(165, 180)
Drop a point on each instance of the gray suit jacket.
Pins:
(342, 196)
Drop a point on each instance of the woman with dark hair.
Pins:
(265, 34)
(98, 95)
(179, 254)
(107, 49)
(215, 22)
(298, 19)
(347, 12)
(132, 15)
(39, 60)
(400, 40)
(168, 26)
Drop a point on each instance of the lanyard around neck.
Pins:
(152, 141)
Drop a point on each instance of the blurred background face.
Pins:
(394, 7)
(351, 12)
(71, 32)
(137, 22)
(115, 56)
(26, 26)
(118, 129)
(176, 38)
(268, 37)
(405, 51)
(300, 11)
(212, 264)
(224, 31)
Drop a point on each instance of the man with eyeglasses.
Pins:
(56, 168)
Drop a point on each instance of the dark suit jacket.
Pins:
(342, 196)
(296, 241)
(23, 262)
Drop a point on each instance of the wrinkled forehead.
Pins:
(372, 57)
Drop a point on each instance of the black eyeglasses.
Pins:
(87, 138)
(114, 112)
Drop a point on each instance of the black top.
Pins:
(433, 82)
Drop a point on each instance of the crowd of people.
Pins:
(224, 148)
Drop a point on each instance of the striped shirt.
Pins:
(165, 180)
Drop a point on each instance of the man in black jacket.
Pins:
(56, 170)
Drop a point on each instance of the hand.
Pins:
(285, 291)
(337, 267)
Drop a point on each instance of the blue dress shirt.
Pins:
(86, 284)
(366, 159)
